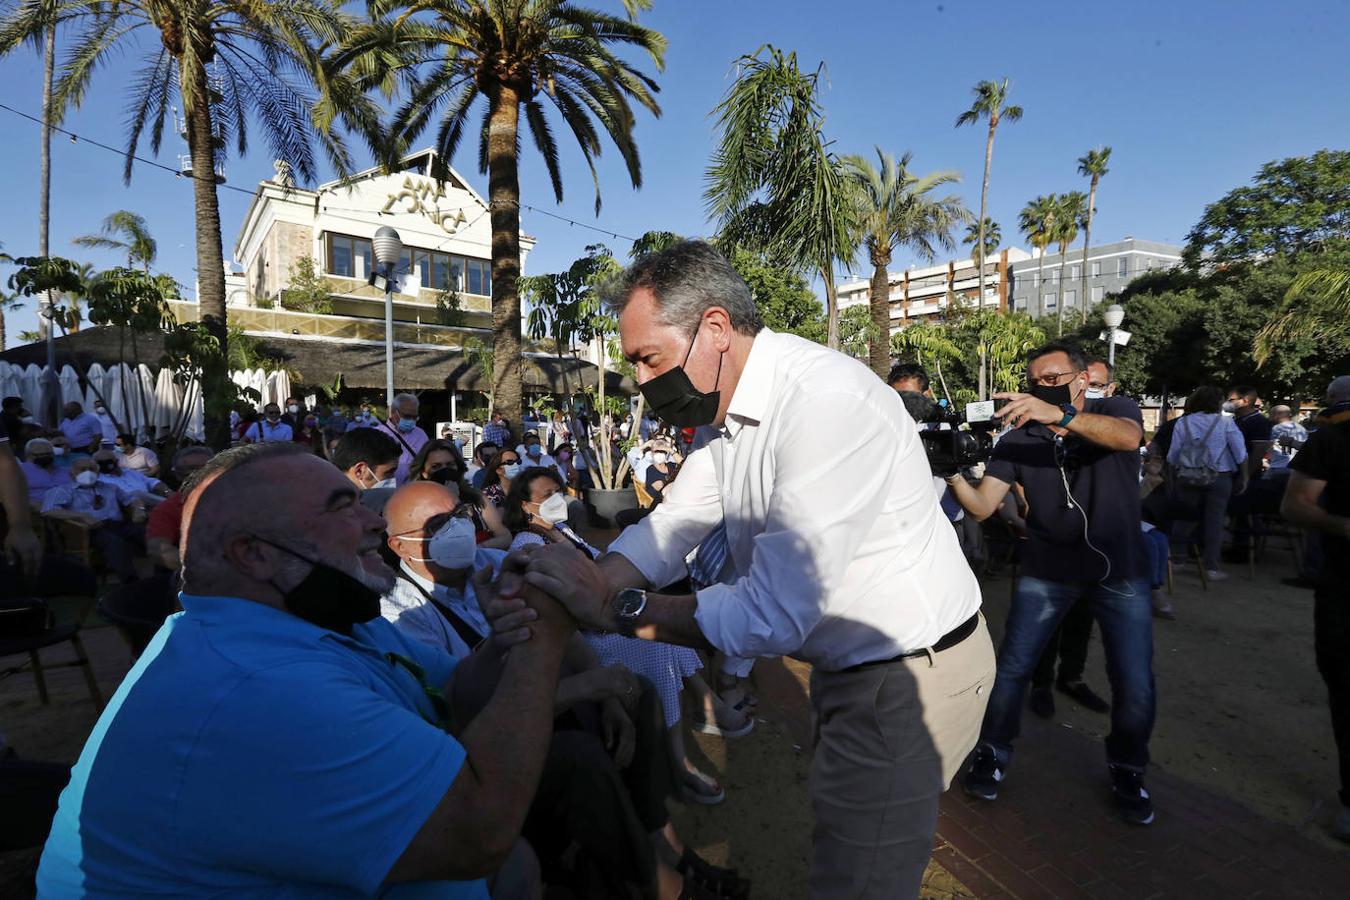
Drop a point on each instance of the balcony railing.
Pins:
(290, 323)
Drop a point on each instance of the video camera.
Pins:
(952, 447)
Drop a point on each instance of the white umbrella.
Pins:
(196, 428)
(168, 400)
(112, 396)
(70, 386)
(145, 382)
(280, 384)
(92, 379)
(30, 387)
(11, 378)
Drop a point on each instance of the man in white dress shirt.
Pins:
(865, 580)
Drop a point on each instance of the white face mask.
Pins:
(512, 470)
(454, 546)
(554, 509)
(87, 478)
(659, 458)
(292, 409)
(384, 483)
(1229, 407)
(1095, 393)
(58, 451)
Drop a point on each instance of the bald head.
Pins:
(245, 502)
(1281, 413)
(413, 504)
(1339, 389)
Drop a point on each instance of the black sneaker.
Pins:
(1299, 581)
(1084, 695)
(1132, 799)
(984, 774)
(1043, 702)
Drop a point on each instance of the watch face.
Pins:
(631, 601)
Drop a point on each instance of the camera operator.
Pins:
(910, 381)
(1077, 461)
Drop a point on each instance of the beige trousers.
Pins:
(888, 741)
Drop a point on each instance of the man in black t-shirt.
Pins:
(1318, 497)
(1077, 460)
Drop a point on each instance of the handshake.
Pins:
(544, 591)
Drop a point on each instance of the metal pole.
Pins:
(1111, 347)
(389, 336)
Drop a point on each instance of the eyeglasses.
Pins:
(1049, 380)
(507, 462)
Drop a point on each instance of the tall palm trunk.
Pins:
(45, 186)
(210, 255)
(984, 202)
(1059, 302)
(880, 346)
(504, 200)
(1087, 238)
(831, 307)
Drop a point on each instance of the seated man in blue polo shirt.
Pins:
(278, 737)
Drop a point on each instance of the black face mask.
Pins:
(448, 475)
(329, 597)
(1059, 395)
(673, 397)
(44, 461)
(107, 467)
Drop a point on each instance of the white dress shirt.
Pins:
(841, 552)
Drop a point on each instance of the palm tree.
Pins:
(993, 239)
(1037, 221)
(1091, 165)
(774, 186)
(1316, 308)
(227, 62)
(897, 209)
(991, 99)
(125, 231)
(515, 55)
(8, 302)
(1070, 214)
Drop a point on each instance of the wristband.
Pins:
(1069, 412)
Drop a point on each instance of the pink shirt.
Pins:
(406, 440)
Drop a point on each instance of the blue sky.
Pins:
(1193, 96)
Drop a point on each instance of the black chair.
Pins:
(26, 627)
(138, 609)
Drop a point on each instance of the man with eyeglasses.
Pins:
(101, 505)
(1077, 460)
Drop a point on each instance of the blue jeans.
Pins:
(1125, 617)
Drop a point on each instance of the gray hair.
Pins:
(687, 279)
(399, 398)
(37, 444)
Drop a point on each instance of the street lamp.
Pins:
(388, 248)
(1114, 315)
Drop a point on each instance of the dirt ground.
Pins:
(1241, 712)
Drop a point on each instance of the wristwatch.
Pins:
(628, 606)
(1069, 412)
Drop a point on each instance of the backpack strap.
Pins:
(466, 633)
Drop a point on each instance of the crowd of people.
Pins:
(385, 660)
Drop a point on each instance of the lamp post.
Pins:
(387, 247)
(1114, 315)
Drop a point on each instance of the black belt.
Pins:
(946, 642)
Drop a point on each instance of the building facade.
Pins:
(1036, 285)
(444, 279)
(921, 293)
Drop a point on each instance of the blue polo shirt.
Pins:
(251, 753)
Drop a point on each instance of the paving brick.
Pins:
(1012, 877)
(1059, 884)
(971, 847)
(968, 873)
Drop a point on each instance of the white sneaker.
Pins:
(1215, 575)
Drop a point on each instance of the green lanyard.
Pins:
(434, 695)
